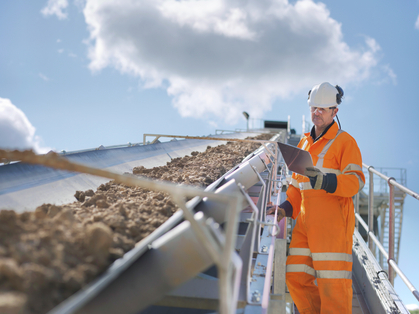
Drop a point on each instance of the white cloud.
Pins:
(412, 307)
(390, 73)
(56, 7)
(213, 124)
(18, 132)
(221, 57)
(44, 77)
(417, 23)
(372, 44)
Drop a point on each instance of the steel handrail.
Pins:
(369, 228)
(217, 132)
(392, 181)
(267, 285)
(391, 262)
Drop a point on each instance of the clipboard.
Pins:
(296, 158)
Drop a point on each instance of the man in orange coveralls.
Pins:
(321, 201)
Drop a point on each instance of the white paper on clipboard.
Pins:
(296, 158)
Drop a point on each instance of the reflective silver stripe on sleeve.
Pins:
(349, 170)
(299, 251)
(360, 182)
(352, 167)
(333, 274)
(330, 170)
(332, 257)
(304, 186)
(295, 183)
(301, 268)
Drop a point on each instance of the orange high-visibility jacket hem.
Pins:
(321, 245)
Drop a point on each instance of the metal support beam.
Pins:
(277, 303)
(391, 233)
(371, 209)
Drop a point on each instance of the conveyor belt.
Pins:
(24, 187)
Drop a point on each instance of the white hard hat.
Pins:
(325, 95)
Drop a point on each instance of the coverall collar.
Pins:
(326, 134)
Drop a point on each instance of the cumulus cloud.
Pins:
(417, 23)
(217, 58)
(56, 7)
(17, 132)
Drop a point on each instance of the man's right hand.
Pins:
(270, 210)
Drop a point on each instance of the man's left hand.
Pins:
(319, 180)
(316, 177)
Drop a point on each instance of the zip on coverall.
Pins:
(321, 245)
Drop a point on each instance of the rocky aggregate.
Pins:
(49, 254)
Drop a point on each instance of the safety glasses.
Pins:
(320, 110)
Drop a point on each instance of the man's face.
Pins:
(322, 117)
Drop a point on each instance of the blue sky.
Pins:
(79, 74)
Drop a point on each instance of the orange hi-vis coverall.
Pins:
(321, 245)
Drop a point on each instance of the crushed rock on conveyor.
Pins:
(49, 254)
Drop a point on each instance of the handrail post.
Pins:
(391, 232)
(357, 210)
(371, 210)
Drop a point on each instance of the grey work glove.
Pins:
(320, 180)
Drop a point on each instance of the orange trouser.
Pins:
(321, 248)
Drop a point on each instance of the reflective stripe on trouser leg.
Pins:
(334, 279)
(333, 293)
(300, 274)
(301, 268)
(342, 261)
(332, 270)
(331, 257)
